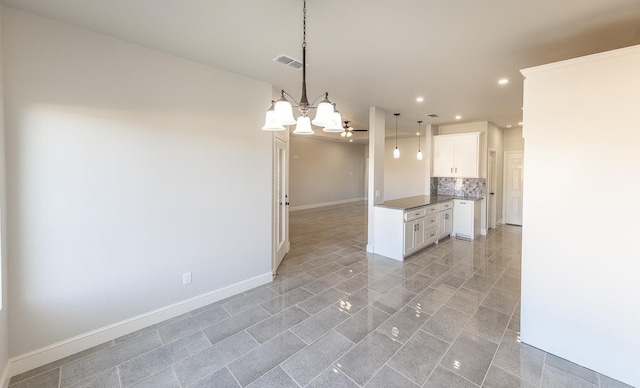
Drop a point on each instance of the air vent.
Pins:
(432, 115)
(288, 61)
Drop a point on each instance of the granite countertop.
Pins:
(422, 200)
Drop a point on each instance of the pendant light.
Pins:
(419, 152)
(396, 152)
(281, 113)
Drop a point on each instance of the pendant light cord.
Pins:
(419, 131)
(396, 114)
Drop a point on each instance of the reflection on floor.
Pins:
(337, 317)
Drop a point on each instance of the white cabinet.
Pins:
(445, 223)
(420, 229)
(399, 233)
(466, 218)
(414, 235)
(456, 155)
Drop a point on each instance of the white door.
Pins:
(281, 206)
(513, 171)
(491, 190)
(409, 236)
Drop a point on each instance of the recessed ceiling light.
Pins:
(418, 133)
(458, 117)
(509, 126)
(350, 140)
(420, 99)
(503, 81)
(520, 123)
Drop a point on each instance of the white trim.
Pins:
(4, 378)
(499, 222)
(65, 348)
(315, 205)
(580, 60)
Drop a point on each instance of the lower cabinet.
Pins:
(445, 223)
(420, 232)
(399, 233)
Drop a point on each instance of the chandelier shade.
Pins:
(324, 114)
(303, 126)
(336, 122)
(284, 112)
(271, 122)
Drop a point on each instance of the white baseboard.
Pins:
(4, 378)
(499, 222)
(54, 352)
(323, 204)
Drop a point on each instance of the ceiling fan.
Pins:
(348, 131)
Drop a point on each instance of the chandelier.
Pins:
(281, 113)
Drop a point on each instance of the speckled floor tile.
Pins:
(336, 316)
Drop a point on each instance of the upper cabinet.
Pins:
(456, 155)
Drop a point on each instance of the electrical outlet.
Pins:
(186, 278)
(377, 193)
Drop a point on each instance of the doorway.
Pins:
(281, 202)
(514, 181)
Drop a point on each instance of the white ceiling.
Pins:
(372, 52)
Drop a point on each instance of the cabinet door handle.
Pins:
(456, 170)
(417, 226)
(446, 216)
(451, 169)
(432, 235)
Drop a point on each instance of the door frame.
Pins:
(504, 183)
(275, 259)
(492, 180)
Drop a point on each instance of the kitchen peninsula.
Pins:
(406, 225)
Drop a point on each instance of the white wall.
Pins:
(512, 139)
(406, 176)
(4, 290)
(325, 171)
(125, 168)
(581, 258)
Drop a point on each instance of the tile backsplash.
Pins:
(472, 187)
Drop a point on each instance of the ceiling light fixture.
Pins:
(520, 123)
(396, 152)
(420, 99)
(419, 156)
(281, 113)
(509, 126)
(503, 81)
(458, 117)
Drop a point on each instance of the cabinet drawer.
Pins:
(445, 206)
(431, 221)
(412, 214)
(432, 209)
(431, 235)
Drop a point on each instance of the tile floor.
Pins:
(335, 317)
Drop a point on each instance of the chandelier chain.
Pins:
(304, 24)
